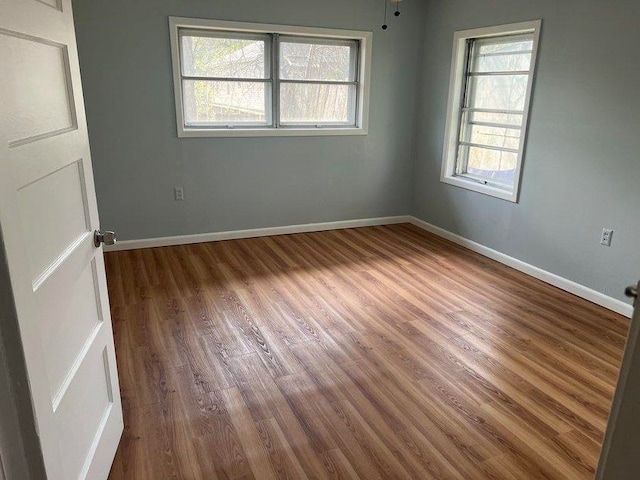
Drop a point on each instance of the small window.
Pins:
(236, 79)
(490, 93)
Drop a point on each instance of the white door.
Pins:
(47, 217)
(620, 458)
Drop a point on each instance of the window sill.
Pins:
(496, 192)
(270, 132)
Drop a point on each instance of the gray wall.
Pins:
(237, 183)
(580, 172)
(582, 165)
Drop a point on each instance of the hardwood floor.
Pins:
(373, 353)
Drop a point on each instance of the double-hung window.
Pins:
(490, 93)
(318, 80)
(239, 79)
(225, 79)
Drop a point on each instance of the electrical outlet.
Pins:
(605, 239)
(178, 193)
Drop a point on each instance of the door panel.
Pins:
(36, 72)
(89, 392)
(58, 201)
(48, 214)
(70, 328)
(57, 4)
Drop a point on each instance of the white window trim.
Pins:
(364, 77)
(455, 104)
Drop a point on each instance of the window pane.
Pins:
(491, 165)
(208, 56)
(316, 103)
(502, 54)
(498, 92)
(314, 61)
(224, 102)
(499, 118)
(492, 136)
(503, 63)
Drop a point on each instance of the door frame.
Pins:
(617, 458)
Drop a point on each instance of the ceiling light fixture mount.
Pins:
(396, 13)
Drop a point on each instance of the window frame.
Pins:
(267, 80)
(362, 79)
(457, 89)
(352, 43)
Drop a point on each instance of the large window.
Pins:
(237, 79)
(491, 84)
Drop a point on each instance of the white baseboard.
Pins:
(570, 286)
(254, 232)
(548, 277)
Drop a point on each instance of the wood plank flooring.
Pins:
(372, 353)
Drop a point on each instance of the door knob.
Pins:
(631, 292)
(108, 238)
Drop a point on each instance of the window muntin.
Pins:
(488, 113)
(297, 79)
